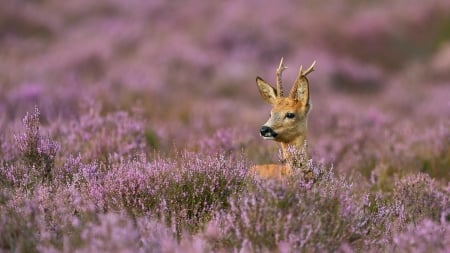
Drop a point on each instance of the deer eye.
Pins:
(290, 115)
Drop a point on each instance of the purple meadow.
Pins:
(133, 127)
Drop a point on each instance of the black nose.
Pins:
(266, 131)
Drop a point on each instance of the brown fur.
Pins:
(291, 132)
(273, 171)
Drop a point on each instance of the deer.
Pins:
(287, 124)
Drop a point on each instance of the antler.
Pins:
(309, 70)
(280, 70)
(300, 79)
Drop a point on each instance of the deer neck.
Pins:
(298, 144)
(297, 162)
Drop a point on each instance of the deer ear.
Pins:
(300, 90)
(268, 93)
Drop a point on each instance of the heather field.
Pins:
(131, 126)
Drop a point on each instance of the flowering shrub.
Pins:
(428, 236)
(317, 217)
(182, 193)
(35, 158)
(131, 126)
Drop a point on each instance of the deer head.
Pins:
(288, 118)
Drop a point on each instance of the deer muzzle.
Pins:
(267, 133)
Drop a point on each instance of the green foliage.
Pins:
(151, 138)
(17, 230)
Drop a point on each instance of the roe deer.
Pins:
(287, 123)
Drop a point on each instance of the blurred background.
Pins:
(381, 86)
